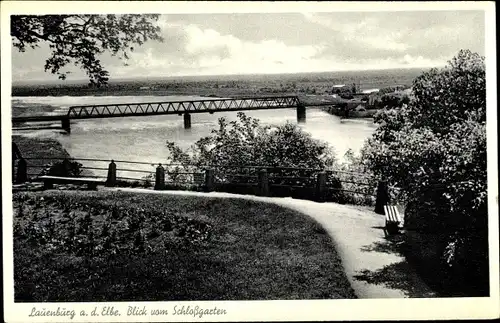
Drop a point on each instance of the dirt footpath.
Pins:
(372, 263)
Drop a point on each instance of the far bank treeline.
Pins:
(231, 85)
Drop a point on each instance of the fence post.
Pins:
(111, 180)
(263, 182)
(320, 186)
(382, 197)
(160, 178)
(209, 179)
(22, 171)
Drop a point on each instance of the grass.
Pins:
(112, 246)
(31, 147)
(20, 109)
(42, 148)
(23, 109)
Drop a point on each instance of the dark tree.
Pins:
(80, 39)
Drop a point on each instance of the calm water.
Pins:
(143, 138)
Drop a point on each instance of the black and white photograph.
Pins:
(239, 161)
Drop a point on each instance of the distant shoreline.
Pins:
(92, 92)
(227, 77)
(224, 86)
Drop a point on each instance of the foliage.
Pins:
(454, 94)
(435, 150)
(65, 168)
(392, 101)
(145, 182)
(236, 145)
(80, 39)
(413, 147)
(247, 142)
(392, 89)
(239, 150)
(347, 90)
(357, 179)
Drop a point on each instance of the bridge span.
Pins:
(184, 107)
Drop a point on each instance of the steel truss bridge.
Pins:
(184, 107)
(181, 107)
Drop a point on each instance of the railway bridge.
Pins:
(183, 108)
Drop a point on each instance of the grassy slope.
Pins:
(30, 109)
(31, 147)
(44, 148)
(254, 251)
(23, 109)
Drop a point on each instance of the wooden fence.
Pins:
(307, 183)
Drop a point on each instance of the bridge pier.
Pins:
(66, 124)
(187, 121)
(301, 113)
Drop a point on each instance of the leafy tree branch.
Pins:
(80, 39)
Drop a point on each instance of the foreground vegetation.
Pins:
(108, 246)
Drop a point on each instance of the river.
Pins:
(143, 138)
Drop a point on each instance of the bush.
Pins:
(65, 168)
(346, 96)
(435, 151)
(392, 89)
(357, 180)
(238, 146)
(392, 101)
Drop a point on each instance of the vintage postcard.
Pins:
(249, 161)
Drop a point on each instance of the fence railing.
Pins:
(263, 180)
(89, 167)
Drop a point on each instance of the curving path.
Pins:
(372, 264)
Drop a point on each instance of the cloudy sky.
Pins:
(249, 43)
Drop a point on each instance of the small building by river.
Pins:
(355, 108)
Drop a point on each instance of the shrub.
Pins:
(237, 147)
(392, 101)
(65, 168)
(357, 180)
(246, 142)
(435, 151)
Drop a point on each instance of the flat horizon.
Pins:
(208, 77)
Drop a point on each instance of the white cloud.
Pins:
(215, 53)
(366, 32)
(202, 41)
